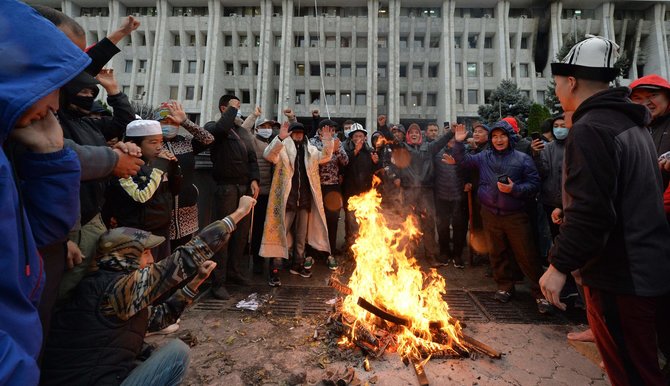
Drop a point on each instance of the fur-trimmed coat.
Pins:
(282, 154)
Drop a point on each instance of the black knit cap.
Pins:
(327, 122)
(296, 126)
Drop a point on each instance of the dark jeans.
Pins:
(165, 367)
(54, 257)
(452, 215)
(628, 334)
(229, 261)
(513, 229)
(332, 204)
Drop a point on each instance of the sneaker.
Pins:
(502, 296)
(332, 263)
(543, 306)
(309, 263)
(167, 330)
(220, 293)
(273, 279)
(302, 271)
(458, 263)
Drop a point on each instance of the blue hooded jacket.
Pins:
(37, 59)
(518, 166)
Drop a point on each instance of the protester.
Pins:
(614, 235)
(235, 171)
(329, 174)
(431, 132)
(507, 177)
(451, 185)
(99, 333)
(184, 216)
(48, 204)
(295, 208)
(383, 128)
(479, 246)
(653, 92)
(146, 200)
(363, 163)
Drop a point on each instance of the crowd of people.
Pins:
(102, 243)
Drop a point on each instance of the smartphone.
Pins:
(664, 157)
(503, 179)
(536, 136)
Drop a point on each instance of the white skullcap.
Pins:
(142, 128)
(592, 59)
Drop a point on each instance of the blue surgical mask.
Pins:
(169, 131)
(264, 133)
(561, 133)
(239, 114)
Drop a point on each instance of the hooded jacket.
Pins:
(49, 185)
(614, 229)
(550, 165)
(420, 171)
(518, 166)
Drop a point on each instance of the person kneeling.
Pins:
(97, 335)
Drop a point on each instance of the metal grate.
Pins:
(463, 307)
(302, 301)
(521, 309)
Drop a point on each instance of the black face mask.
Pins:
(83, 102)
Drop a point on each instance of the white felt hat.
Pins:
(592, 59)
(143, 127)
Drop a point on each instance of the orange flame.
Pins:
(388, 277)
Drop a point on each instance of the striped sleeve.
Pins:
(142, 192)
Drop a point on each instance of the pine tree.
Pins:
(538, 113)
(504, 101)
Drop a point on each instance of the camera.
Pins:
(503, 179)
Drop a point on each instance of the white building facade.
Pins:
(425, 59)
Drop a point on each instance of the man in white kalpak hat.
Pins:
(614, 236)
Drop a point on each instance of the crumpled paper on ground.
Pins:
(253, 302)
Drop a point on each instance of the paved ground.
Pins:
(264, 348)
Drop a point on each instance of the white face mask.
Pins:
(264, 133)
(169, 131)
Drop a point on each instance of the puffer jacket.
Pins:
(519, 167)
(449, 179)
(420, 171)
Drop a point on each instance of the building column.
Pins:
(556, 31)
(156, 48)
(393, 73)
(286, 66)
(446, 99)
(371, 94)
(503, 49)
(656, 48)
(210, 91)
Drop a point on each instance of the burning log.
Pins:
(481, 347)
(371, 308)
(341, 288)
(420, 374)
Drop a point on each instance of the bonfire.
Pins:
(390, 303)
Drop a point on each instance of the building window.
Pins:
(243, 41)
(472, 69)
(176, 66)
(415, 100)
(313, 41)
(488, 42)
(361, 70)
(381, 71)
(299, 97)
(331, 41)
(139, 90)
(300, 69)
(488, 70)
(381, 99)
(174, 92)
(345, 98)
(94, 11)
(457, 41)
(459, 96)
(200, 94)
(244, 68)
(330, 70)
(278, 41)
(524, 43)
(402, 70)
(362, 42)
(189, 11)
(314, 70)
(246, 96)
(230, 68)
(141, 11)
(402, 100)
(435, 41)
(190, 93)
(360, 99)
(472, 40)
(330, 98)
(345, 70)
(403, 42)
(228, 40)
(523, 70)
(125, 90)
(487, 95)
(381, 42)
(142, 38)
(417, 71)
(418, 42)
(540, 96)
(142, 67)
(129, 66)
(299, 41)
(277, 68)
(473, 97)
(433, 71)
(257, 41)
(431, 99)
(315, 97)
(458, 69)
(203, 38)
(192, 66)
(525, 93)
(345, 42)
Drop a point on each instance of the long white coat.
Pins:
(283, 154)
